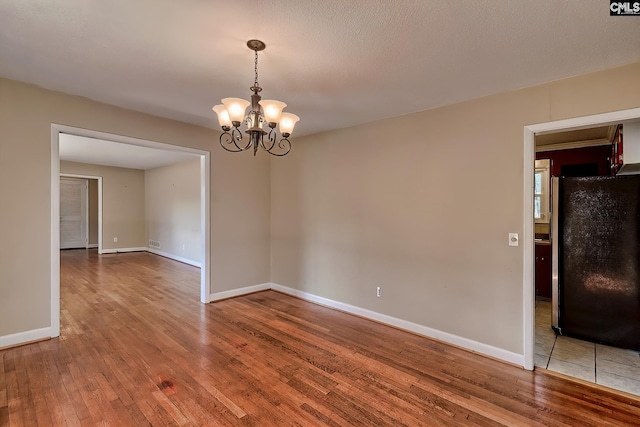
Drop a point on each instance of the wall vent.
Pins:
(154, 244)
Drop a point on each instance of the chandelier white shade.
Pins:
(272, 110)
(232, 114)
(223, 115)
(287, 122)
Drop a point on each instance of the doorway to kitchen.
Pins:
(543, 347)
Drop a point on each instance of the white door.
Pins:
(73, 213)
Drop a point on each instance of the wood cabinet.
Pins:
(616, 151)
(595, 160)
(543, 270)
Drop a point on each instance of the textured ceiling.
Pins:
(335, 62)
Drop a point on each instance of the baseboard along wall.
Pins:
(173, 257)
(122, 250)
(465, 343)
(25, 337)
(471, 345)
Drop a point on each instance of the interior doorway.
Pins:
(530, 132)
(205, 220)
(94, 208)
(74, 213)
(575, 333)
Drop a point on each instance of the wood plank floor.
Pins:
(137, 348)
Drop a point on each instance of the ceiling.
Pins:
(336, 63)
(600, 135)
(81, 149)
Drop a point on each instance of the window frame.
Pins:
(542, 167)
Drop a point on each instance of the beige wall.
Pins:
(240, 196)
(422, 205)
(172, 201)
(123, 207)
(93, 212)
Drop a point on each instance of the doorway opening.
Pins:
(74, 213)
(530, 133)
(204, 207)
(93, 212)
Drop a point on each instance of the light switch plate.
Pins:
(513, 239)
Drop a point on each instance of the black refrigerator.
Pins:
(595, 233)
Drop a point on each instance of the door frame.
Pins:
(205, 208)
(85, 212)
(99, 179)
(528, 260)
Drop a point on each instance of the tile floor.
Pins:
(608, 366)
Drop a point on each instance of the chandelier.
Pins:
(267, 113)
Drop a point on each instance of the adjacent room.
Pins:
(586, 259)
(149, 199)
(319, 213)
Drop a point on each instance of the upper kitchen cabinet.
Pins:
(616, 151)
(584, 161)
(582, 152)
(626, 148)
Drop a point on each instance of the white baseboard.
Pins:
(120, 250)
(488, 350)
(474, 346)
(478, 347)
(24, 337)
(217, 296)
(92, 246)
(174, 257)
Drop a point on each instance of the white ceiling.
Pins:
(81, 149)
(335, 62)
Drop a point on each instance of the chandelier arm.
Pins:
(284, 144)
(264, 147)
(238, 137)
(246, 147)
(228, 141)
(271, 138)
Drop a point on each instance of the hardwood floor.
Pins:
(137, 348)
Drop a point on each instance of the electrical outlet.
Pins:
(379, 291)
(115, 240)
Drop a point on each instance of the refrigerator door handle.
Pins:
(555, 280)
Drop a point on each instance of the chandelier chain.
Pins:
(256, 68)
